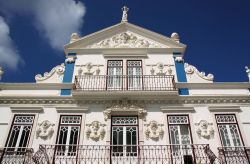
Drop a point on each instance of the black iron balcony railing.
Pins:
(12, 155)
(125, 83)
(234, 155)
(129, 154)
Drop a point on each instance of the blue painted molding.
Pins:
(68, 74)
(181, 75)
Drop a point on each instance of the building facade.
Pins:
(125, 95)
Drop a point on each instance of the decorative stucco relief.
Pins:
(87, 69)
(59, 70)
(154, 131)
(45, 130)
(95, 131)
(126, 40)
(125, 106)
(160, 69)
(190, 70)
(205, 129)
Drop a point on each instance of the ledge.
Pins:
(215, 85)
(224, 108)
(35, 109)
(177, 109)
(35, 86)
(75, 109)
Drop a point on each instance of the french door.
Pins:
(124, 138)
(18, 140)
(228, 130)
(19, 134)
(68, 135)
(134, 68)
(114, 78)
(180, 139)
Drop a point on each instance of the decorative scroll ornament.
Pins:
(45, 130)
(126, 40)
(154, 131)
(175, 36)
(247, 71)
(204, 129)
(59, 70)
(95, 131)
(189, 69)
(124, 106)
(70, 59)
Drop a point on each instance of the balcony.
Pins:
(124, 85)
(105, 154)
(234, 155)
(16, 155)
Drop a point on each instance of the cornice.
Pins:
(72, 101)
(35, 86)
(215, 85)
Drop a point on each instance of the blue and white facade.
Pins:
(120, 90)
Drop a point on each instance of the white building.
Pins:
(125, 95)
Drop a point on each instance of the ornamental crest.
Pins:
(45, 130)
(191, 70)
(56, 71)
(124, 106)
(154, 131)
(95, 131)
(126, 40)
(205, 129)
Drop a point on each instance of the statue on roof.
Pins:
(125, 13)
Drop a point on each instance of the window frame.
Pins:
(228, 123)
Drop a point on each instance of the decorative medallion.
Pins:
(205, 129)
(45, 130)
(95, 131)
(154, 131)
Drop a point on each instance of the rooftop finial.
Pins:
(1, 72)
(125, 13)
(248, 72)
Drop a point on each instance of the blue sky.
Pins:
(33, 32)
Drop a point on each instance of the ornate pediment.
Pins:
(126, 40)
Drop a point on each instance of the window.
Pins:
(114, 74)
(124, 136)
(179, 130)
(68, 135)
(116, 80)
(134, 68)
(19, 134)
(228, 130)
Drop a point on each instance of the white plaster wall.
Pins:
(5, 123)
(244, 121)
(218, 92)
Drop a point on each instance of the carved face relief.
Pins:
(95, 131)
(153, 131)
(45, 130)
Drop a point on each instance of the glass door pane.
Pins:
(114, 77)
(134, 75)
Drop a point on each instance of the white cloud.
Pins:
(9, 56)
(54, 19)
